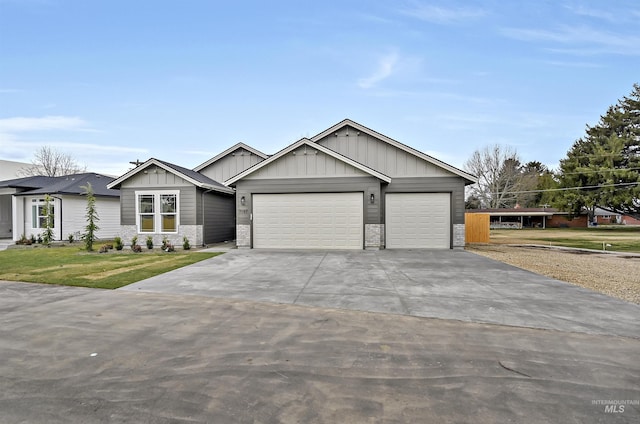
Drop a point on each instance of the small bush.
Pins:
(70, 238)
(136, 248)
(168, 247)
(109, 246)
(165, 242)
(39, 239)
(118, 243)
(134, 241)
(33, 239)
(185, 243)
(104, 249)
(24, 240)
(149, 242)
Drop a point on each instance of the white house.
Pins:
(22, 202)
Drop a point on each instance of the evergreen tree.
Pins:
(607, 157)
(89, 235)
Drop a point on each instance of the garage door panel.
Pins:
(308, 220)
(418, 220)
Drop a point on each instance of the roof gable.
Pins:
(431, 164)
(230, 150)
(314, 148)
(189, 175)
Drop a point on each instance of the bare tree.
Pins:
(49, 162)
(499, 173)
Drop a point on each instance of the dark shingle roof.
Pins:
(68, 184)
(193, 174)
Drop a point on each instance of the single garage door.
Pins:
(308, 221)
(418, 220)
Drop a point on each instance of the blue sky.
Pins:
(113, 81)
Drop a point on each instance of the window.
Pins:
(39, 213)
(157, 212)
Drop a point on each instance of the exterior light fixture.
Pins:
(242, 200)
(372, 198)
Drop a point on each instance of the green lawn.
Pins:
(621, 239)
(72, 266)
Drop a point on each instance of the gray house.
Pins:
(350, 187)
(160, 199)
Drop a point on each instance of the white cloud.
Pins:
(385, 68)
(588, 40)
(592, 13)
(442, 15)
(46, 123)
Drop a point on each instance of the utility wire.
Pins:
(568, 188)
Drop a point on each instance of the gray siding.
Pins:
(219, 217)
(379, 155)
(453, 185)
(306, 162)
(366, 185)
(231, 165)
(187, 204)
(153, 177)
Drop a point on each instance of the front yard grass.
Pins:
(71, 266)
(620, 239)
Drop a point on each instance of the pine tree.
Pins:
(89, 235)
(607, 157)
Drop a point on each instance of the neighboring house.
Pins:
(22, 203)
(547, 218)
(350, 187)
(629, 220)
(163, 200)
(604, 217)
(10, 170)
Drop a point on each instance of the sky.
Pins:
(113, 81)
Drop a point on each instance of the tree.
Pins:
(49, 162)
(606, 162)
(499, 173)
(537, 179)
(89, 235)
(47, 236)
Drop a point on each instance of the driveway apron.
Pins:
(448, 284)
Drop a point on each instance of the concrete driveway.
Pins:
(73, 355)
(438, 284)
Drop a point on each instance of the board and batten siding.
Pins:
(453, 185)
(367, 185)
(187, 204)
(379, 155)
(306, 162)
(231, 165)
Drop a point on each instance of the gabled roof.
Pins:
(315, 146)
(410, 150)
(193, 177)
(67, 184)
(228, 151)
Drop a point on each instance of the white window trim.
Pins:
(157, 215)
(37, 202)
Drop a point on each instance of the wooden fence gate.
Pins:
(476, 228)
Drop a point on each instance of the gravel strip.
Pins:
(613, 275)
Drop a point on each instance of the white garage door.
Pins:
(308, 221)
(418, 220)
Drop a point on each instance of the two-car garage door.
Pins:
(418, 220)
(308, 221)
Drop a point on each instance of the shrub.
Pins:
(89, 235)
(118, 243)
(70, 238)
(149, 242)
(165, 242)
(39, 239)
(109, 246)
(136, 248)
(185, 243)
(48, 229)
(24, 240)
(168, 247)
(104, 249)
(33, 239)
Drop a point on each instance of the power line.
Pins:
(568, 188)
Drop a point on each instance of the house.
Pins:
(517, 218)
(350, 187)
(22, 202)
(164, 200)
(10, 170)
